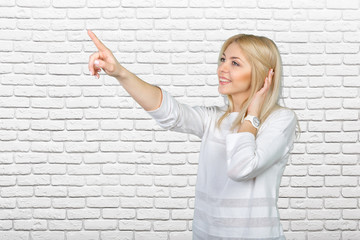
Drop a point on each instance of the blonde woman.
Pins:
(245, 145)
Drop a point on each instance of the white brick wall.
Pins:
(80, 159)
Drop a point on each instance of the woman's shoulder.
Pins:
(281, 111)
(281, 116)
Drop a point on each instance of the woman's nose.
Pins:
(223, 67)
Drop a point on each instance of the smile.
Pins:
(224, 81)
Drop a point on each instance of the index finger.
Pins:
(97, 42)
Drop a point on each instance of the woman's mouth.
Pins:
(224, 81)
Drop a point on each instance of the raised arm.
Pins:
(248, 157)
(146, 95)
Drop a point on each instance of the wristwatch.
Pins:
(254, 120)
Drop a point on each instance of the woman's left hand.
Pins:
(258, 100)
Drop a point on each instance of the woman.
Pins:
(245, 145)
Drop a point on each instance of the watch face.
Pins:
(256, 121)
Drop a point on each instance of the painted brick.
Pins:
(81, 159)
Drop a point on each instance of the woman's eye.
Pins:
(233, 62)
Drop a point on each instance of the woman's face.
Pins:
(234, 73)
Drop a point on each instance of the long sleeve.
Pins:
(248, 157)
(175, 116)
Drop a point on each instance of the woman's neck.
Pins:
(238, 104)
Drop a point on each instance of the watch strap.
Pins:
(251, 119)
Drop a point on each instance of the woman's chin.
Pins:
(222, 90)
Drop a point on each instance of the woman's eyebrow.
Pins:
(234, 58)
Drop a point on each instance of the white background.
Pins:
(80, 159)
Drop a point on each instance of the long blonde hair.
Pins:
(262, 54)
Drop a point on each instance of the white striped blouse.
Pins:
(239, 175)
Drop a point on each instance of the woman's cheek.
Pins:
(243, 82)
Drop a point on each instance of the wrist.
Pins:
(246, 126)
(122, 73)
(255, 114)
(253, 120)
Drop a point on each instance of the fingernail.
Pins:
(96, 62)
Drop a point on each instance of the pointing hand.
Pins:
(103, 58)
